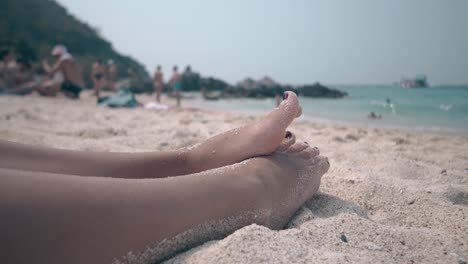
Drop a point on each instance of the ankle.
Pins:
(268, 181)
(262, 139)
(258, 190)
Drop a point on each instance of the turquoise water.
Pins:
(443, 107)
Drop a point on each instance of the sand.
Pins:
(390, 196)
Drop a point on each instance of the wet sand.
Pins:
(390, 195)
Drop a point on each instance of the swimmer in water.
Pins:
(373, 115)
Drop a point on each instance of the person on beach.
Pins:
(8, 68)
(24, 73)
(63, 206)
(158, 83)
(7, 60)
(22, 81)
(64, 75)
(111, 74)
(98, 74)
(176, 82)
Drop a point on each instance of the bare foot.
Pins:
(291, 176)
(117, 216)
(257, 139)
(267, 191)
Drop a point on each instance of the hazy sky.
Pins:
(347, 41)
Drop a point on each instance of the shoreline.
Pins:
(364, 124)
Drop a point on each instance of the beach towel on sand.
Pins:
(156, 106)
(123, 98)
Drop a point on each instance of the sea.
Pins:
(439, 108)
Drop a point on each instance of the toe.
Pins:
(288, 140)
(310, 153)
(321, 163)
(315, 151)
(298, 147)
(291, 105)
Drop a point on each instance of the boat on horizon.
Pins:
(420, 81)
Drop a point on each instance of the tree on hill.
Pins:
(31, 28)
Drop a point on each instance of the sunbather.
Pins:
(61, 206)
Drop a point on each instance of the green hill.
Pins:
(32, 27)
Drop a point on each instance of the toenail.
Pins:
(288, 134)
(305, 142)
(285, 95)
(315, 148)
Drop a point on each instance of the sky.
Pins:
(292, 41)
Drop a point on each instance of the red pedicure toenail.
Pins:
(288, 134)
(285, 95)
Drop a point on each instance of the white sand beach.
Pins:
(390, 195)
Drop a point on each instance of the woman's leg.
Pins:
(96, 87)
(158, 88)
(259, 138)
(178, 97)
(49, 218)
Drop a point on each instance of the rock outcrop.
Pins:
(267, 87)
(263, 88)
(318, 90)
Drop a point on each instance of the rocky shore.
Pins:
(266, 87)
